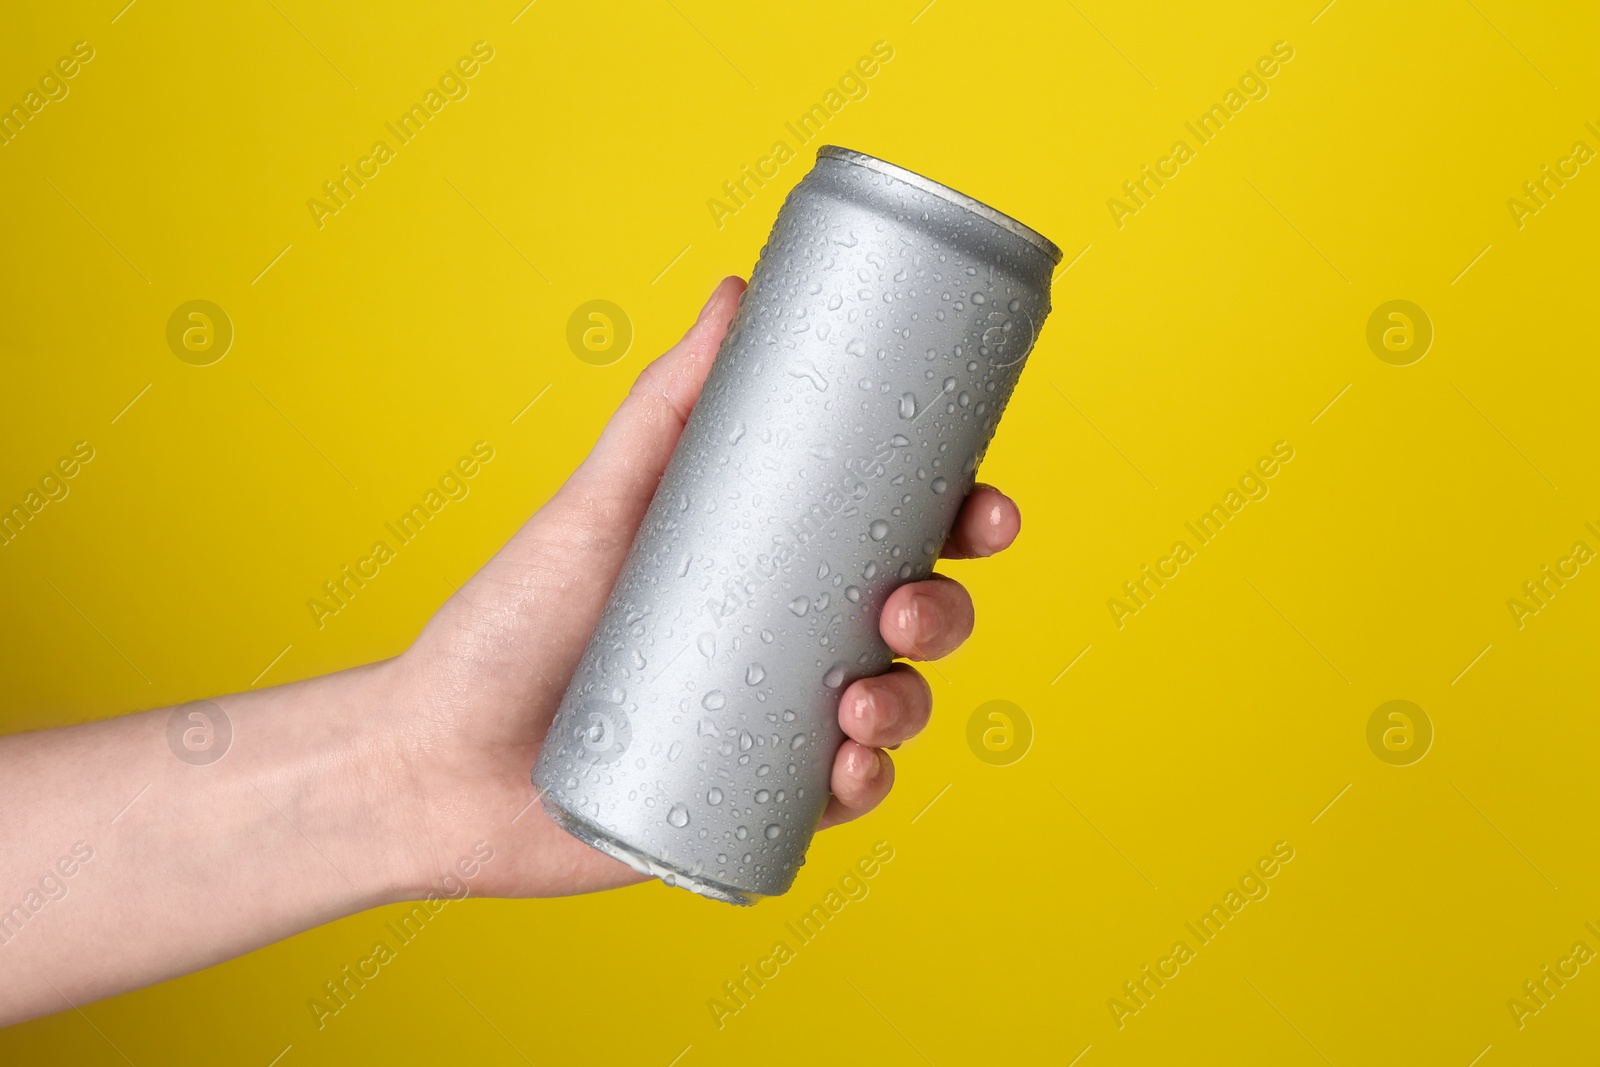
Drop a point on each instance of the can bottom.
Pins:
(604, 841)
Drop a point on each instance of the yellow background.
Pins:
(1223, 317)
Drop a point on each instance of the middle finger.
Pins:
(927, 620)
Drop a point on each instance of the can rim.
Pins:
(945, 193)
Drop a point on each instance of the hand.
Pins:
(471, 701)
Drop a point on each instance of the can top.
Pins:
(945, 193)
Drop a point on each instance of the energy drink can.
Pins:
(839, 431)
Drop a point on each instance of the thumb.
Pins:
(550, 581)
(603, 502)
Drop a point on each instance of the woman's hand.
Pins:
(131, 862)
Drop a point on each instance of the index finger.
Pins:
(989, 521)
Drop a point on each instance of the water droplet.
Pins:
(714, 796)
(870, 570)
(763, 795)
(754, 674)
(767, 636)
(746, 742)
(878, 530)
(852, 594)
(741, 833)
(939, 485)
(800, 605)
(707, 644)
(678, 816)
(713, 700)
(675, 751)
(834, 678)
(798, 741)
(773, 831)
(908, 406)
(979, 298)
(738, 432)
(1015, 305)
(804, 368)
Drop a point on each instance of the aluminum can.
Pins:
(838, 433)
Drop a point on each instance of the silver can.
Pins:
(838, 433)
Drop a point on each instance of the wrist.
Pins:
(392, 831)
(333, 766)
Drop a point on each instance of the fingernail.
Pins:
(876, 770)
(927, 618)
(712, 299)
(983, 545)
(698, 319)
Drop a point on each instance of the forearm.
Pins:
(126, 859)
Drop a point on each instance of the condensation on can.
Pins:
(838, 433)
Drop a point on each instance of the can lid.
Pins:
(945, 193)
